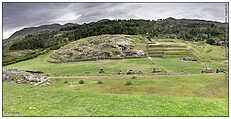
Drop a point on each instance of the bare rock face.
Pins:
(23, 77)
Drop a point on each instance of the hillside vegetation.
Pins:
(49, 37)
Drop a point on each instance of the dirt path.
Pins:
(85, 76)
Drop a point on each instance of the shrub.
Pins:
(81, 82)
(65, 81)
(100, 82)
(128, 83)
(133, 77)
(210, 41)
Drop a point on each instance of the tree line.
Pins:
(189, 30)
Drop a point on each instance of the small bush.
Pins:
(65, 81)
(133, 77)
(128, 83)
(100, 82)
(81, 82)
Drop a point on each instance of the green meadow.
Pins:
(146, 96)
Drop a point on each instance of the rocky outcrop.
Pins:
(104, 46)
(23, 77)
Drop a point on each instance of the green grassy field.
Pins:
(195, 95)
(169, 65)
(147, 96)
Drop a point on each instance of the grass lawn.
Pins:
(147, 96)
(169, 65)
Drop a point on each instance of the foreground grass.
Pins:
(208, 86)
(92, 99)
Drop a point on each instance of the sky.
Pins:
(17, 16)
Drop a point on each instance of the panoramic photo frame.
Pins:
(115, 59)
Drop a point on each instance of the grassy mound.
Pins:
(100, 47)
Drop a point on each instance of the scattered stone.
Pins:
(188, 59)
(120, 73)
(130, 72)
(101, 71)
(207, 70)
(221, 70)
(23, 77)
(156, 70)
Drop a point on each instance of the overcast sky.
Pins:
(20, 15)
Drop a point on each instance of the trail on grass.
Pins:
(85, 76)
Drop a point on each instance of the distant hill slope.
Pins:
(31, 30)
(54, 36)
(21, 34)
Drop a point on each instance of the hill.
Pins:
(166, 54)
(36, 40)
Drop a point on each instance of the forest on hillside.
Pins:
(211, 32)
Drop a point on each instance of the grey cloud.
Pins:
(20, 15)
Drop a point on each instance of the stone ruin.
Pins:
(207, 70)
(23, 77)
(188, 59)
(221, 70)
